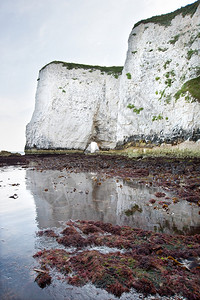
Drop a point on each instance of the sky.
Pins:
(36, 32)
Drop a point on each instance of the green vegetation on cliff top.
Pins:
(109, 70)
(165, 20)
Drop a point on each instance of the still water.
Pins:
(32, 200)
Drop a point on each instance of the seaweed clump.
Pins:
(151, 263)
(43, 279)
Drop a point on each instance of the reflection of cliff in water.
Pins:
(60, 196)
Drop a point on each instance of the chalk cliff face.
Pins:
(156, 99)
(74, 106)
(159, 61)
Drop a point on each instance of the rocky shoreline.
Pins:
(151, 263)
(179, 174)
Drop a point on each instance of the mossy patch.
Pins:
(175, 39)
(7, 153)
(157, 118)
(191, 52)
(135, 208)
(135, 109)
(192, 86)
(162, 49)
(166, 64)
(128, 75)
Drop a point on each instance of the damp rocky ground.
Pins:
(124, 261)
(179, 175)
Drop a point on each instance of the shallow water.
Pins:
(60, 196)
(48, 199)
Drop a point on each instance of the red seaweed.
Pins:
(47, 232)
(152, 262)
(159, 194)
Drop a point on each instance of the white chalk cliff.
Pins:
(156, 98)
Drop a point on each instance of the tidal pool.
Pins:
(60, 196)
(32, 200)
